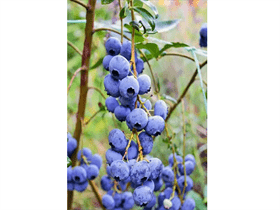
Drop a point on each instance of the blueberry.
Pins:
(128, 201)
(69, 174)
(86, 152)
(111, 86)
(132, 151)
(139, 65)
(92, 172)
(111, 156)
(117, 140)
(146, 142)
(161, 198)
(151, 203)
(140, 172)
(158, 184)
(203, 36)
(144, 84)
(176, 203)
(161, 109)
(113, 46)
(79, 174)
(156, 167)
(142, 195)
(189, 204)
(137, 118)
(147, 104)
(118, 199)
(108, 170)
(126, 50)
(131, 163)
(106, 183)
(111, 104)
(167, 174)
(69, 136)
(70, 185)
(119, 67)
(119, 170)
(96, 160)
(121, 112)
(171, 159)
(129, 87)
(150, 184)
(189, 168)
(155, 125)
(71, 145)
(108, 202)
(106, 61)
(80, 187)
(191, 158)
(128, 102)
(167, 192)
(181, 182)
(122, 185)
(168, 184)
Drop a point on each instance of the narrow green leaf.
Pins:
(137, 3)
(151, 47)
(151, 6)
(106, 1)
(98, 63)
(69, 162)
(163, 26)
(172, 45)
(124, 12)
(138, 36)
(135, 25)
(146, 15)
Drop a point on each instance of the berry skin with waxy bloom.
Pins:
(181, 182)
(126, 50)
(155, 125)
(179, 159)
(158, 184)
(127, 102)
(149, 183)
(113, 46)
(111, 86)
(191, 158)
(108, 202)
(167, 174)
(189, 204)
(111, 103)
(139, 65)
(119, 170)
(132, 151)
(189, 168)
(144, 84)
(79, 174)
(121, 112)
(106, 183)
(80, 187)
(71, 145)
(142, 195)
(156, 168)
(106, 61)
(111, 156)
(117, 140)
(129, 87)
(161, 109)
(140, 172)
(203, 35)
(137, 118)
(128, 201)
(176, 203)
(146, 143)
(119, 67)
(96, 160)
(92, 171)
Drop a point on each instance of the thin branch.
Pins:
(184, 92)
(80, 3)
(178, 54)
(74, 47)
(98, 90)
(112, 30)
(96, 192)
(93, 116)
(73, 77)
(120, 5)
(184, 145)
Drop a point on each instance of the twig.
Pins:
(178, 54)
(98, 90)
(140, 149)
(93, 116)
(112, 30)
(184, 145)
(120, 5)
(73, 77)
(74, 47)
(128, 145)
(96, 192)
(184, 92)
(204, 82)
(80, 3)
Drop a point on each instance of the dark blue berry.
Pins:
(167, 174)
(121, 112)
(189, 168)
(158, 184)
(203, 36)
(113, 46)
(150, 184)
(106, 183)
(111, 103)
(106, 61)
(142, 195)
(137, 118)
(129, 87)
(139, 65)
(132, 151)
(161, 109)
(146, 143)
(179, 159)
(117, 140)
(111, 156)
(151, 203)
(155, 125)
(156, 167)
(191, 158)
(96, 160)
(92, 172)
(128, 201)
(79, 174)
(70, 185)
(71, 145)
(80, 187)
(189, 204)
(119, 67)
(108, 202)
(119, 170)
(176, 203)
(144, 84)
(126, 50)
(111, 86)
(140, 172)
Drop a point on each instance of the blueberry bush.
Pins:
(130, 143)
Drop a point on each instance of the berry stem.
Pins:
(73, 77)
(120, 5)
(80, 3)
(140, 149)
(98, 90)
(93, 116)
(178, 54)
(128, 145)
(142, 105)
(133, 41)
(96, 192)
(74, 47)
(184, 146)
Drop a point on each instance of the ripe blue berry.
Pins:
(150, 184)
(96, 160)
(79, 174)
(176, 203)
(127, 102)
(203, 36)
(126, 50)
(191, 158)
(155, 125)
(156, 167)
(158, 184)
(113, 46)
(179, 159)
(106, 61)
(111, 156)
(86, 152)
(132, 151)
(161, 109)
(137, 118)
(181, 182)
(92, 172)
(144, 84)
(167, 174)
(128, 201)
(151, 203)
(189, 204)
(111, 86)
(70, 185)
(108, 202)
(111, 104)
(129, 87)
(140, 172)
(119, 67)
(106, 183)
(161, 198)
(142, 195)
(147, 104)
(167, 192)
(189, 168)
(139, 65)
(121, 112)
(117, 199)
(71, 145)
(80, 187)
(117, 140)
(119, 170)
(69, 174)
(146, 142)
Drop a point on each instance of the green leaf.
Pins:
(135, 25)
(205, 192)
(146, 15)
(137, 3)
(151, 47)
(69, 162)
(173, 44)
(163, 26)
(138, 36)
(98, 63)
(151, 6)
(198, 200)
(106, 1)
(124, 12)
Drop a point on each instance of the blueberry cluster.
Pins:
(203, 36)
(77, 177)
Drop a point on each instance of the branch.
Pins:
(74, 47)
(93, 116)
(178, 54)
(120, 5)
(84, 83)
(96, 192)
(98, 90)
(184, 145)
(80, 3)
(184, 92)
(73, 77)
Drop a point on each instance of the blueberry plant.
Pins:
(133, 177)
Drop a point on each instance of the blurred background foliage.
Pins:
(172, 73)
